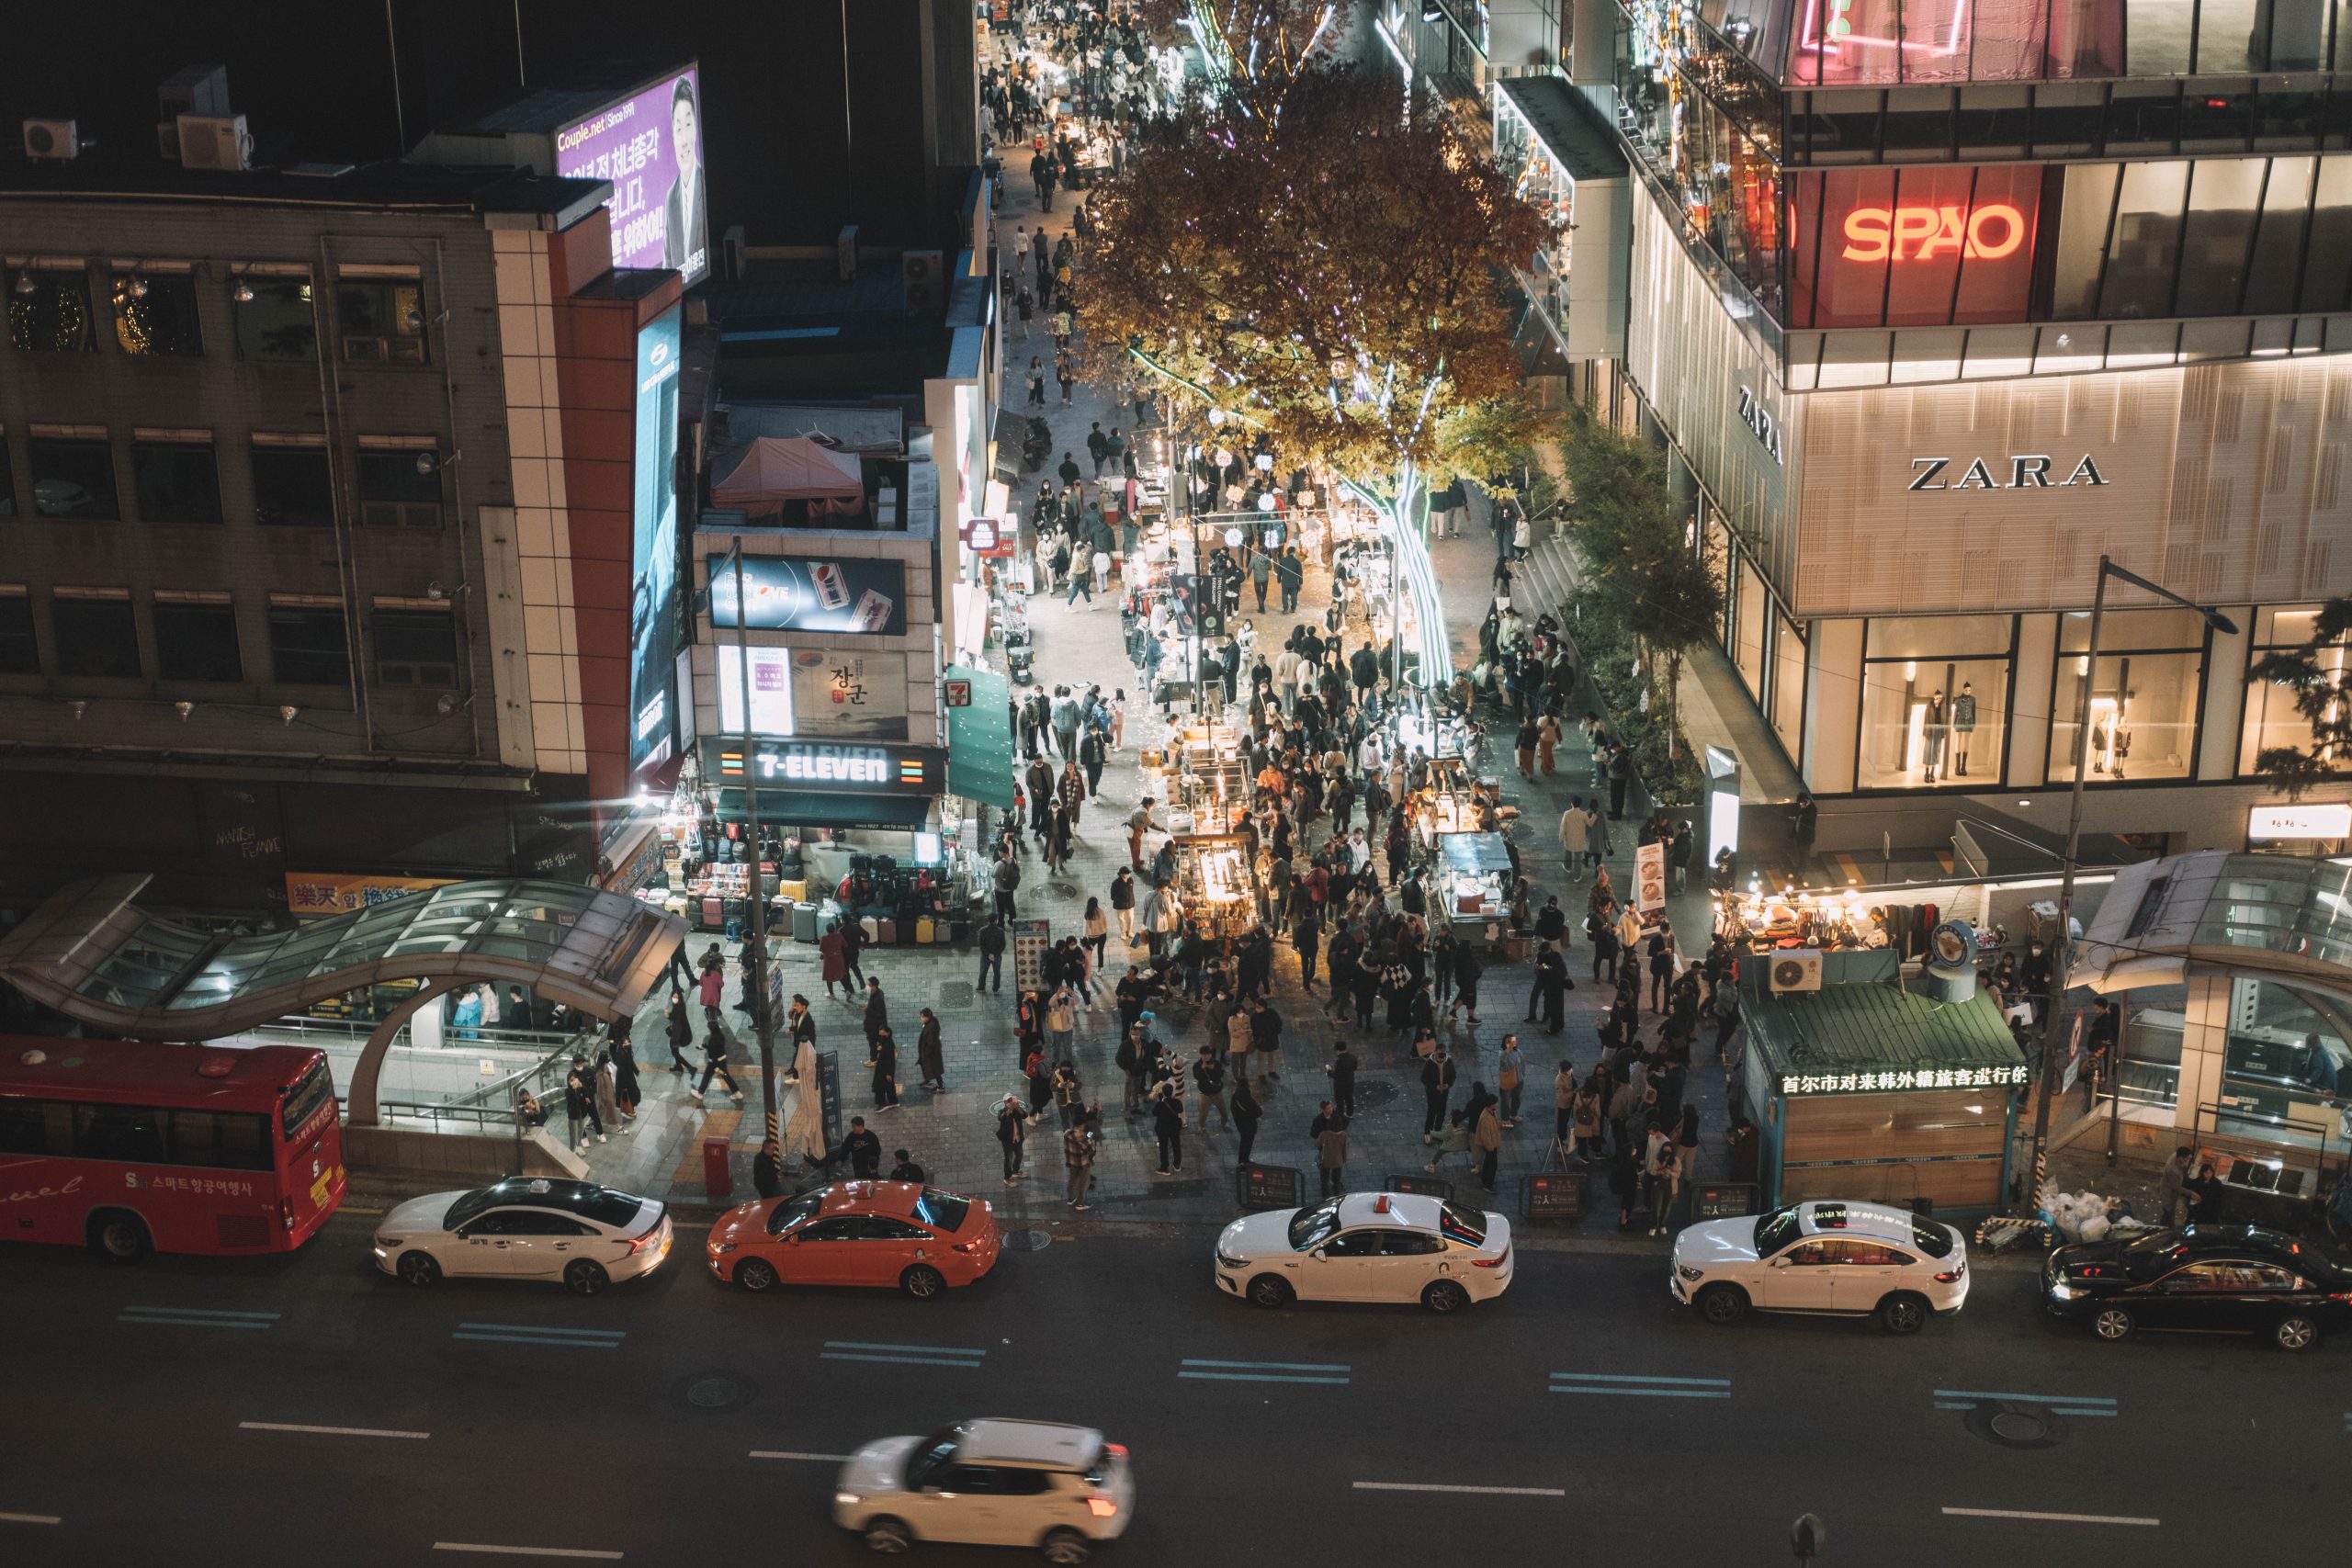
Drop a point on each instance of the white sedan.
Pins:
(526, 1228)
(1061, 1490)
(1367, 1246)
(1824, 1257)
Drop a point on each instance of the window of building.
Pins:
(275, 317)
(1935, 702)
(177, 482)
(2143, 116)
(1995, 122)
(1749, 619)
(2272, 717)
(2066, 119)
(97, 634)
(2216, 115)
(399, 487)
(2328, 272)
(293, 487)
(19, 654)
(2144, 253)
(48, 311)
(1919, 125)
(308, 645)
(155, 314)
(2225, 200)
(2278, 237)
(381, 320)
(1788, 683)
(2143, 698)
(73, 477)
(196, 638)
(416, 648)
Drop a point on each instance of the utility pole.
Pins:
(755, 962)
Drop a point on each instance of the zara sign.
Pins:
(1753, 415)
(2026, 471)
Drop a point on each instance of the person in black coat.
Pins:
(1343, 1079)
(1247, 1113)
(885, 1062)
(1467, 971)
(1552, 984)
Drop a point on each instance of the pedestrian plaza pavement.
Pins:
(952, 1135)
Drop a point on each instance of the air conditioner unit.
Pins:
(923, 275)
(1795, 971)
(52, 138)
(215, 142)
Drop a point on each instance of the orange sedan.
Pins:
(857, 1232)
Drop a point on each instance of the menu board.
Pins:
(1722, 1199)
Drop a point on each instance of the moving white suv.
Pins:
(1059, 1490)
(1826, 1258)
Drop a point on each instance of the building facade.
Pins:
(322, 492)
(1933, 305)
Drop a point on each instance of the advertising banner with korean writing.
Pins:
(313, 894)
(841, 695)
(649, 146)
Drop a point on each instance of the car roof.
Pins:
(1834, 1217)
(1409, 1211)
(1043, 1444)
(868, 1198)
(2244, 1241)
(547, 1192)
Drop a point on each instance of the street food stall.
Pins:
(1470, 879)
(1215, 881)
(1203, 779)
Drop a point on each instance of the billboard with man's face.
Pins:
(649, 146)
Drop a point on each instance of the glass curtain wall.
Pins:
(2145, 697)
(1935, 702)
(2272, 717)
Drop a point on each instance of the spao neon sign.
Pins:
(1919, 233)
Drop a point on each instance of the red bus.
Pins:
(128, 1147)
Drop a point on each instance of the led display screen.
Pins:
(1914, 246)
(650, 147)
(653, 551)
(811, 594)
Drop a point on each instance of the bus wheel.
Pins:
(120, 1236)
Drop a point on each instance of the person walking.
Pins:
(833, 958)
(1343, 1079)
(678, 1029)
(1069, 1095)
(1509, 1067)
(1123, 908)
(1331, 1154)
(1486, 1137)
(714, 1064)
(931, 1057)
(884, 1063)
(1246, 1114)
(1168, 1125)
(1077, 1159)
(580, 1104)
(1061, 1021)
(1662, 1165)
(627, 1091)
(1437, 1087)
(1012, 1128)
(1572, 836)
(991, 954)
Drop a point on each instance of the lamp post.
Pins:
(2061, 961)
(755, 963)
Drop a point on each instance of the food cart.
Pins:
(1215, 881)
(1203, 779)
(1471, 873)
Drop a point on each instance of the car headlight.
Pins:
(2062, 1291)
(847, 1499)
(719, 1248)
(388, 1241)
(1226, 1262)
(1688, 1273)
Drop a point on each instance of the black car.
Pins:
(2202, 1280)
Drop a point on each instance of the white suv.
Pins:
(1824, 1258)
(1061, 1490)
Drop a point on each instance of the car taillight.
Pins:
(1495, 1262)
(1100, 1507)
(286, 1211)
(2341, 1297)
(1950, 1276)
(1116, 1450)
(641, 1243)
(969, 1246)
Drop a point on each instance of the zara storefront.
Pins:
(1926, 346)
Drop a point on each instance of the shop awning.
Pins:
(817, 808)
(979, 738)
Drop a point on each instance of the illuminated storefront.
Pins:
(1933, 305)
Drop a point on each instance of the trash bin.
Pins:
(717, 1178)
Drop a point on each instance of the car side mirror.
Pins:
(1780, 1263)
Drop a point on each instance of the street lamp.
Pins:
(2061, 961)
(755, 960)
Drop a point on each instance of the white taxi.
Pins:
(1367, 1246)
(1824, 1258)
(1056, 1489)
(526, 1228)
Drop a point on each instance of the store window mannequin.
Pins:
(1934, 730)
(1964, 728)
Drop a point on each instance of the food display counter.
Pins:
(1214, 882)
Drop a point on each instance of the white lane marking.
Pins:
(327, 1431)
(2053, 1518)
(524, 1551)
(31, 1519)
(1483, 1491)
(779, 1453)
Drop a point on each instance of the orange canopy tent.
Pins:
(775, 470)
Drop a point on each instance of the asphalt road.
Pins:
(633, 1429)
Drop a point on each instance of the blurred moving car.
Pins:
(526, 1228)
(2201, 1280)
(920, 1239)
(1826, 1258)
(1061, 1490)
(1367, 1246)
